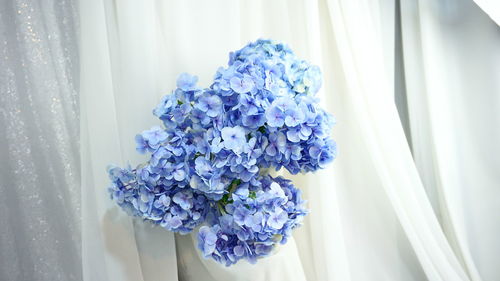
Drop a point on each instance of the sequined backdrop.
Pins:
(39, 141)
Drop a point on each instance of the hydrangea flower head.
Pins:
(250, 226)
(207, 163)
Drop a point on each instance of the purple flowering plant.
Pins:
(209, 162)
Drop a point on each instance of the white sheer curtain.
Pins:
(371, 218)
(118, 85)
(452, 70)
(376, 168)
(39, 137)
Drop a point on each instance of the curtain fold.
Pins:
(451, 65)
(368, 98)
(114, 246)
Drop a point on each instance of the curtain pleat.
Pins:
(451, 66)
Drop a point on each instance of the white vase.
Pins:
(283, 265)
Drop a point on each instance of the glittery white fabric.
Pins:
(39, 141)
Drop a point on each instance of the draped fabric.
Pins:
(384, 210)
(118, 81)
(452, 71)
(39, 141)
(385, 183)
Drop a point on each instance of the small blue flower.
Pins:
(203, 167)
(293, 135)
(255, 221)
(241, 192)
(277, 218)
(165, 106)
(141, 144)
(187, 82)
(213, 187)
(206, 241)
(284, 104)
(240, 214)
(276, 191)
(234, 138)
(153, 138)
(242, 85)
(294, 117)
(171, 222)
(119, 196)
(253, 121)
(181, 112)
(275, 117)
(211, 104)
(239, 251)
(163, 201)
(179, 174)
(184, 199)
(117, 173)
(312, 79)
(277, 143)
(160, 156)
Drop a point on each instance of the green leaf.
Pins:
(252, 195)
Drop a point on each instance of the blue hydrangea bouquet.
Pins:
(209, 164)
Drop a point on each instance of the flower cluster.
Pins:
(173, 207)
(207, 163)
(252, 221)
